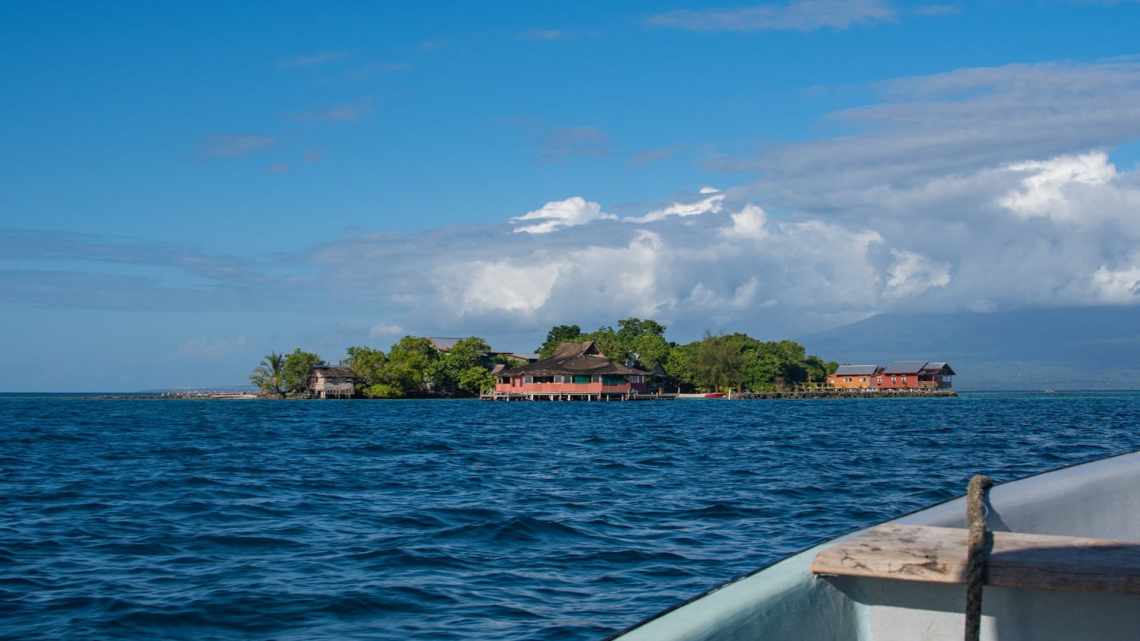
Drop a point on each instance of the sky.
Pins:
(185, 188)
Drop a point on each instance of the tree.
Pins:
(633, 328)
(269, 376)
(718, 362)
(410, 364)
(609, 344)
(476, 379)
(296, 371)
(650, 350)
(368, 365)
(556, 336)
(383, 390)
(454, 370)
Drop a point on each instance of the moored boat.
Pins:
(1042, 586)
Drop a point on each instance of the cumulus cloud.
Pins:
(798, 15)
(749, 222)
(911, 274)
(980, 189)
(559, 214)
(1044, 191)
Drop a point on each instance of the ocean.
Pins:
(142, 519)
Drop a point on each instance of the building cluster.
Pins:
(900, 375)
(338, 381)
(576, 371)
(579, 371)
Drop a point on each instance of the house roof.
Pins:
(573, 358)
(905, 367)
(333, 372)
(856, 370)
(939, 367)
(919, 367)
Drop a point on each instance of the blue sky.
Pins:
(188, 187)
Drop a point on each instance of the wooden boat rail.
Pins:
(1024, 561)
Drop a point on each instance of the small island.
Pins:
(634, 361)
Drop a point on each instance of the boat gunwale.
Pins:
(716, 588)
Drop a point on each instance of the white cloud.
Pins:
(1043, 191)
(749, 222)
(560, 214)
(912, 274)
(712, 203)
(1117, 285)
(504, 285)
(981, 189)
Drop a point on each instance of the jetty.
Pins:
(839, 392)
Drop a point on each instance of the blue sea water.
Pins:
(225, 520)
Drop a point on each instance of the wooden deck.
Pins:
(575, 396)
(1027, 561)
(836, 392)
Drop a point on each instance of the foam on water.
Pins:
(466, 520)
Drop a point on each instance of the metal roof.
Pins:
(856, 370)
(939, 366)
(905, 367)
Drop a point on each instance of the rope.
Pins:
(978, 546)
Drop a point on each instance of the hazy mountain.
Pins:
(1067, 348)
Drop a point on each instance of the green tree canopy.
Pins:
(410, 364)
(368, 364)
(455, 369)
(269, 376)
(296, 370)
(556, 336)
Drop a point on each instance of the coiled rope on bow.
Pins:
(978, 544)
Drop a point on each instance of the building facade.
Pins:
(854, 376)
(576, 371)
(331, 382)
(896, 376)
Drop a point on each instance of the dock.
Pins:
(837, 392)
(800, 392)
(584, 397)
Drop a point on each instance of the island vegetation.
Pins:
(414, 367)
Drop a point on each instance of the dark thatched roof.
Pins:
(573, 358)
(332, 372)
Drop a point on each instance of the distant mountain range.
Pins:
(1028, 349)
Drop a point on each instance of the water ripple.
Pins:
(466, 520)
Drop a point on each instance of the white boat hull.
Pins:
(786, 602)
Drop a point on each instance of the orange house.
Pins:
(854, 376)
(900, 375)
(903, 375)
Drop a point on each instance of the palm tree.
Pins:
(270, 374)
